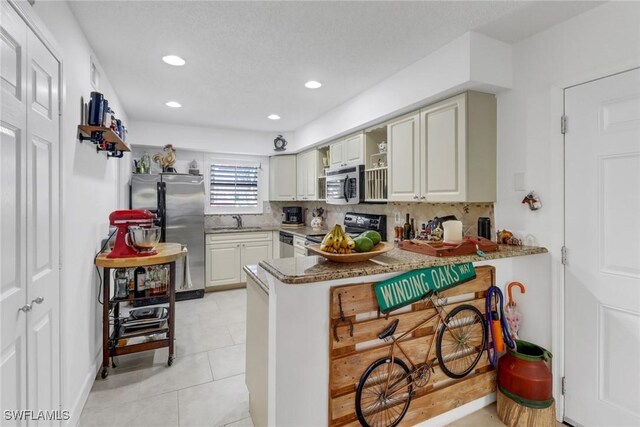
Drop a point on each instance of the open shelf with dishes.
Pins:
(376, 173)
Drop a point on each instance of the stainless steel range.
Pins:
(356, 223)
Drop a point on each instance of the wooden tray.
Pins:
(378, 249)
(467, 247)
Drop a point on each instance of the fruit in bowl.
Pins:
(337, 241)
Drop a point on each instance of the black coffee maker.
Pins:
(292, 215)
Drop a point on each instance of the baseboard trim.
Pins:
(81, 400)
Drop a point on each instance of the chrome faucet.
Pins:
(238, 219)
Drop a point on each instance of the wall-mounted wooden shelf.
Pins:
(108, 135)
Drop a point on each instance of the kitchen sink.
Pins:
(232, 229)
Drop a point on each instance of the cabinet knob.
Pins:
(38, 300)
(415, 197)
(25, 308)
(422, 198)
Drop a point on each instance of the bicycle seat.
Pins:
(389, 330)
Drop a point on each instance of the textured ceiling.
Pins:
(246, 60)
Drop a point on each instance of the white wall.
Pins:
(472, 61)
(201, 138)
(600, 42)
(91, 189)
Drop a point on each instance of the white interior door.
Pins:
(43, 274)
(602, 276)
(13, 134)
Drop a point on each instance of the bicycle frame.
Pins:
(396, 342)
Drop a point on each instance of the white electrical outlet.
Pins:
(397, 218)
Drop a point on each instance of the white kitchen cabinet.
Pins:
(307, 175)
(446, 152)
(348, 151)
(282, 178)
(227, 253)
(403, 154)
(223, 264)
(299, 246)
(458, 138)
(254, 252)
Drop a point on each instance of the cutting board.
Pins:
(468, 247)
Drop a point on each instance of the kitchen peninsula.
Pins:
(299, 298)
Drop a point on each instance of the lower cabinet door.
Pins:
(223, 264)
(253, 253)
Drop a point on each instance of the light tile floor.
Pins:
(204, 387)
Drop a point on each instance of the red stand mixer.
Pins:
(136, 235)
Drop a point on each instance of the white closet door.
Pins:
(602, 276)
(43, 274)
(13, 134)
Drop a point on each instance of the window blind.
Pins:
(233, 185)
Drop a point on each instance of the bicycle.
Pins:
(385, 389)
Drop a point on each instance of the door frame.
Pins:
(35, 24)
(557, 197)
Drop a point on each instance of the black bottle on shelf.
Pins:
(96, 109)
(140, 275)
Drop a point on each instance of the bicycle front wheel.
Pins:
(461, 341)
(384, 393)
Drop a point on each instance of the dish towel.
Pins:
(186, 278)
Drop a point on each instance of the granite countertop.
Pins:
(300, 231)
(247, 229)
(258, 276)
(300, 270)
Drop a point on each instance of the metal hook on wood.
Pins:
(342, 319)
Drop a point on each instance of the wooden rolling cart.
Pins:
(168, 253)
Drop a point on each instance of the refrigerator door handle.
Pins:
(162, 209)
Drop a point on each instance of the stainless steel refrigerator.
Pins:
(178, 200)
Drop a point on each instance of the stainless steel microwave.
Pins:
(345, 185)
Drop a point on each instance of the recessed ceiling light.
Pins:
(173, 104)
(312, 84)
(273, 117)
(174, 60)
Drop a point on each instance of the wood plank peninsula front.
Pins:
(301, 349)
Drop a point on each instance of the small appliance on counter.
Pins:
(292, 216)
(357, 223)
(136, 235)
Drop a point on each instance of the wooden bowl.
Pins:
(378, 249)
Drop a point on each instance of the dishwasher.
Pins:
(286, 245)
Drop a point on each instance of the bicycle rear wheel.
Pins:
(461, 341)
(379, 405)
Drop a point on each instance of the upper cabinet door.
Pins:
(282, 178)
(311, 175)
(353, 149)
(300, 176)
(404, 159)
(336, 154)
(443, 132)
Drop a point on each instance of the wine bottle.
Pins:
(407, 229)
(412, 233)
(140, 276)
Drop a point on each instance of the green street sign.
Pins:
(412, 286)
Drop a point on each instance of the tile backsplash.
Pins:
(468, 213)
